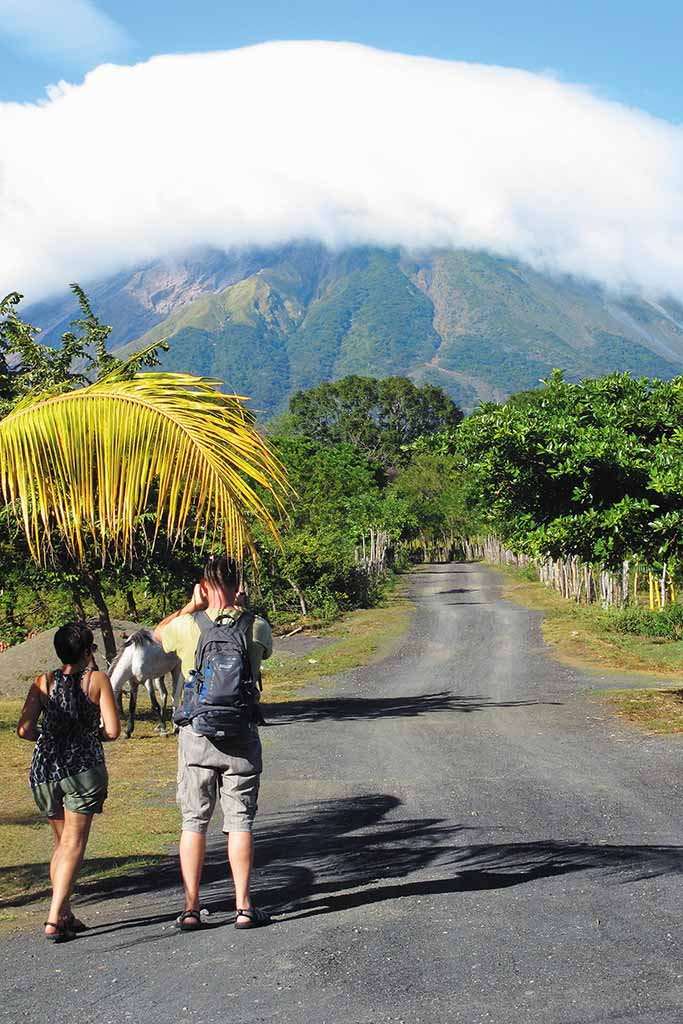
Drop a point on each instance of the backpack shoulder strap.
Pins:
(245, 621)
(240, 624)
(203, 621)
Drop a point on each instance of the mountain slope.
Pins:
(270, 321)
(504, 326)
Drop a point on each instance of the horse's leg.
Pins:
(131, 708)
(151, 685)
(175, 679)
(162, 694)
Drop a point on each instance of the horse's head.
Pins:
(122, 666)
(140, 658)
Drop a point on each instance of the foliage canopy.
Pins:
(378, 417)
(592, 469)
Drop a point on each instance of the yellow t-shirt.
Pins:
(181, 635)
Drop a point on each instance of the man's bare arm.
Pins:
(196, 603)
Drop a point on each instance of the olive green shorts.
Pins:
(84, 793)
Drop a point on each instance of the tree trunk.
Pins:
(78, 601)
(92, 583)
(132, 607)
(299, 594)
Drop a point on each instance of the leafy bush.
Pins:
(667, 623)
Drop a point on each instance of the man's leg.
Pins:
(239, 787)
(192, 852)
(196, 798)
(241, 858)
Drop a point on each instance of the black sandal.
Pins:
(189, 915)
(62, 932)
(256, 918)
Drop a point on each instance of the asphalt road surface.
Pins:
(458, 833)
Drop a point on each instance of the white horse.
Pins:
(143, 660)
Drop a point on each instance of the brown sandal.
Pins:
(190, 915)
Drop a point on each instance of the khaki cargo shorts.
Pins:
(83, 793)
(225, 770)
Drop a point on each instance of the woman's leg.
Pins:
(57, 825)
(66, 862)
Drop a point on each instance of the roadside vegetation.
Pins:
(582, 485)
(324, 495)
(593, 637)
(591, 471)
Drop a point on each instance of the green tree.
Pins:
(92, 469)
(377, 417)
(587, 469)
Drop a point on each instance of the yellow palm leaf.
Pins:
(89, 462)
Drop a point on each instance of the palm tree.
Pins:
(79, 468)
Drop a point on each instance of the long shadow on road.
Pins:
(331, 856)
(312, 858)
(339, 709)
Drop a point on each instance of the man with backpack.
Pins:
(220, 645)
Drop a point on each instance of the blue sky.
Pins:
(626, 50)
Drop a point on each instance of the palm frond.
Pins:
(89, 462)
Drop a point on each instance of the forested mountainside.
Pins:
(271, 321)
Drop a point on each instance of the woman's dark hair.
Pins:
(72, 641)
(221, 572)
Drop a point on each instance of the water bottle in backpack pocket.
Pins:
(186, 707)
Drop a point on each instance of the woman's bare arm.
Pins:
(101, 690)
(27, 729)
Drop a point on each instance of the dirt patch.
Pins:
(300, 644)
(22, 663)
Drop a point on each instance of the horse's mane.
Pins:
(137, 639)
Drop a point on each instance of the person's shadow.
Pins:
(344, 709)
(333, 855)
(338, 854)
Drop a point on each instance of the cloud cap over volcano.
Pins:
(342, 144)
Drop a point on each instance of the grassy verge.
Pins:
(657, 710)
(140, 821)
(579, 635)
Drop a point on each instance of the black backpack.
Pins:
(220, 698)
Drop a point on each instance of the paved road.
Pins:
(456, 834)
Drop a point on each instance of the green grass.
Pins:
(140, 822)
(586, 637)
(657, 710)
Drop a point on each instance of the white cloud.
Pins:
(68, 29)
(340, 143)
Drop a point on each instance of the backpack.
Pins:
(220, 698)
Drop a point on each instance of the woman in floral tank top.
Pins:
(68, 775)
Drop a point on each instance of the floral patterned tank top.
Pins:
(69, 742)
